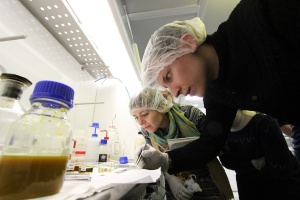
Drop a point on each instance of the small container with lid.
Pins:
(11, 90)
(103, 152)
(77, 159)
(37, 147)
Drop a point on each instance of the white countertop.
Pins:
(107, 186)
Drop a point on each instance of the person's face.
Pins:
(150, 120)
(187, 75)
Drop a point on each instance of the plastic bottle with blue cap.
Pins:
(103, 152)
(91, 153)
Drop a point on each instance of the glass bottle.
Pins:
(114, 143)
(103, 154)
(36, 151)
(11, 90)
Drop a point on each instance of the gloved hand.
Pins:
(178, 190)
(259, 163)
(153, 159)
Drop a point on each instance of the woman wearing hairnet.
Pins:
(163, 120)
(251, 62)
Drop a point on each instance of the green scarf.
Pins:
(179, 127)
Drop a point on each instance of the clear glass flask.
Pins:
(37, 147)
(114, 144)
(11, 90)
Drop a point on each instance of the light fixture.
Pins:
(97, 19)
(87, 30)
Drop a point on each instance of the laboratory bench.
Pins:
(122, 183)
(122, 192)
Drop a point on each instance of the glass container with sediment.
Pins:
(37, 147)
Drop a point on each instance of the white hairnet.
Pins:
(166, 45)
(150, 98)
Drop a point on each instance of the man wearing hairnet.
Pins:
(164, 120)
(251, 62)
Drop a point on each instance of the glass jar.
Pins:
(36, 151)
(11, 90)
(103, 154)
(114, 144)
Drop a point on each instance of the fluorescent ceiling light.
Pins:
(97, 21)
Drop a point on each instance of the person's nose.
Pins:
(141, 121)
(175, 91)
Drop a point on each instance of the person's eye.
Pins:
(169, 77)
(144, 114)
(136, 119)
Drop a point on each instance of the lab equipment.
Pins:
(114, 143)
(77, 177)
(103, 154)
(37, 147)
(80, 139)
(11, 90)
(92, 148)
(139, 141)
(140, 155)
(76, 161)
(153, 159)
(123, 160)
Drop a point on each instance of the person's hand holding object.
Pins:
(153, 159)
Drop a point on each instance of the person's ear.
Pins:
(190, 39)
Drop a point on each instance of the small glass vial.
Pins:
(11, 90)
(36, 151)
(76, 160)
(103, 154)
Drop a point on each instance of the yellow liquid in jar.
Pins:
(23, 177)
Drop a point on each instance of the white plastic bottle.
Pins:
(114, 143)
(91, 153)
(80, 139)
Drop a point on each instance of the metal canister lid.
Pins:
(15, 77)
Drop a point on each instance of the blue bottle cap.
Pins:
(53, 90)
(103, 141)
(123, 160)
(95, 125)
